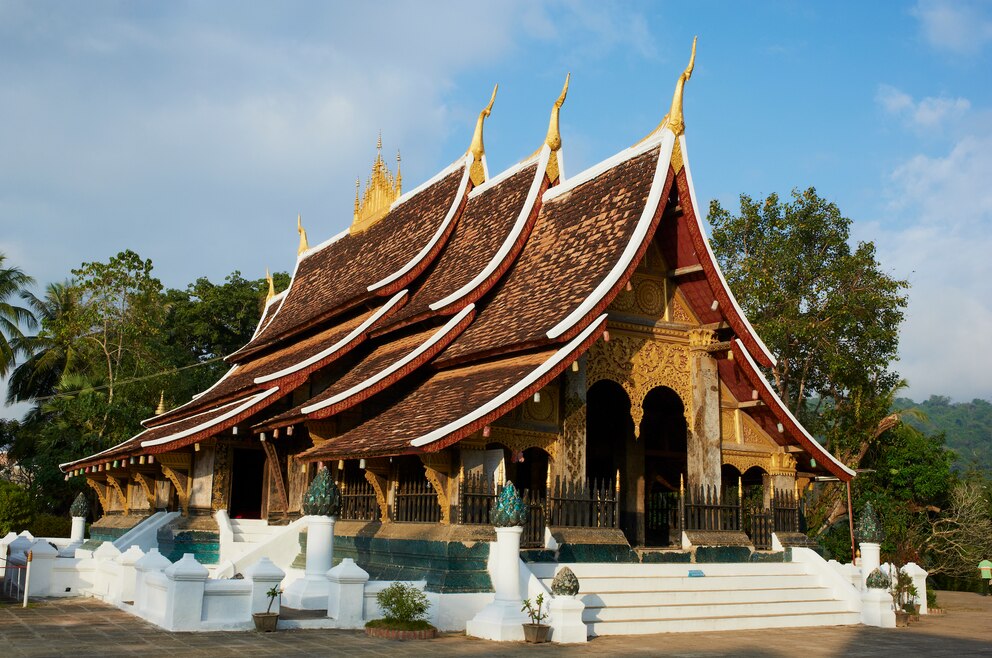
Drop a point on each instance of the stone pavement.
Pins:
(85, 627)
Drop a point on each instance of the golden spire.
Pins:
(553, 140)
(272, 286)
(476, 171)
(674, 119)
(160, 409)
(304, 245)
(399, 175)
(380, 192)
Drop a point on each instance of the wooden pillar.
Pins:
(704, 442)
(570, 464)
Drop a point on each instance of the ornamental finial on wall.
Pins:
(322, 497)
(510, 510)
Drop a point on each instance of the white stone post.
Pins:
(311, 591)
(43, 557)
(184, 602)
(127, 560)
(151, 562)
(919, 576)
(264, 575)
(870, 557)
(876, 607)
(502, 620)
(78, 533)
(566, 620)
(346, 600)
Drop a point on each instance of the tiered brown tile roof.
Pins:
(577, 240)
(483, 227)
(336, 278)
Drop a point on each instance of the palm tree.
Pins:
(49, 353)
(12, 282)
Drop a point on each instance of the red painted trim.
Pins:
(720, 293)
(773, 404)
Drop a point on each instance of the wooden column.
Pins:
(704, 441)
(570, 465)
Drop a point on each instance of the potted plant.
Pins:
(266, 621)
(535, 631)
(404, 607)
(904, 592)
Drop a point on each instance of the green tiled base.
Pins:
(666, 557)
(537, 555)
(204, 545)
(780, 556)
(596, 553)
(723, 554)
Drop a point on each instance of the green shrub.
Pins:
(16, 508)
(50, 525)
(931, 598)
(405, 603)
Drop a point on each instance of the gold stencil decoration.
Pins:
(728, 433)
(650, 298)
(743, 461)
(380, 191)
(640, 364)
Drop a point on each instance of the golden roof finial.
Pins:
(676, 123)
(380, 192)
(399, 175)
(476, 171)
(272, 286)
(304, 245)
(553, 139)
(674, 119)
(160, 409)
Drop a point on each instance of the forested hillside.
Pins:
(967, 427)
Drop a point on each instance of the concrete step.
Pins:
(639, 570)
(721, 623)
(684, 584)
(710, 610)
(671, 597)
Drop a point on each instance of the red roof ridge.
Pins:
(774, 404)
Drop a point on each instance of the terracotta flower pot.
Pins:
(265, 622)
(536, 633)
(902, 619)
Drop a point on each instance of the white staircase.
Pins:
(627, 599)
(248, 533)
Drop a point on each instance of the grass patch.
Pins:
(399, 625)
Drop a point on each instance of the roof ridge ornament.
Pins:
(160, 409)
(380, 192)
(304, 245)
(272, 286)
(553, 140)
(674, 120)
(476, 171)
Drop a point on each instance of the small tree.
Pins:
(404, 607)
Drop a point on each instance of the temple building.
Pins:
(571, 334)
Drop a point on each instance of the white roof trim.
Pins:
(382, 374)
(326, 243)
(323, 354)
(511, 239)
(238, 408)
(103, 452)
(514, 390)
(503, 175)
(464, 161)
(592, 172)
(771, 391)
(650, 208)
(433, 241)
(712, 257)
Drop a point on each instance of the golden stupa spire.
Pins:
(674, 120)
(160, 409)
(380, 192)
(272, 286)
(304, 245)
(399, 175)
(476, 171)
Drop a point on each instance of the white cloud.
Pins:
(939, 236)
(957, 26)
(930, 112)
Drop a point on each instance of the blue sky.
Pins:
(194, 132)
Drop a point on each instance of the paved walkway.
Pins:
(85, 627)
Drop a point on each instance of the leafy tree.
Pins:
(16, 508)
(51, 351)
(961, 537)
(12, 282)
(828, 312)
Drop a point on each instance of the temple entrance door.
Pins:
(663, 435)
(610, 447)
(247, 480)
